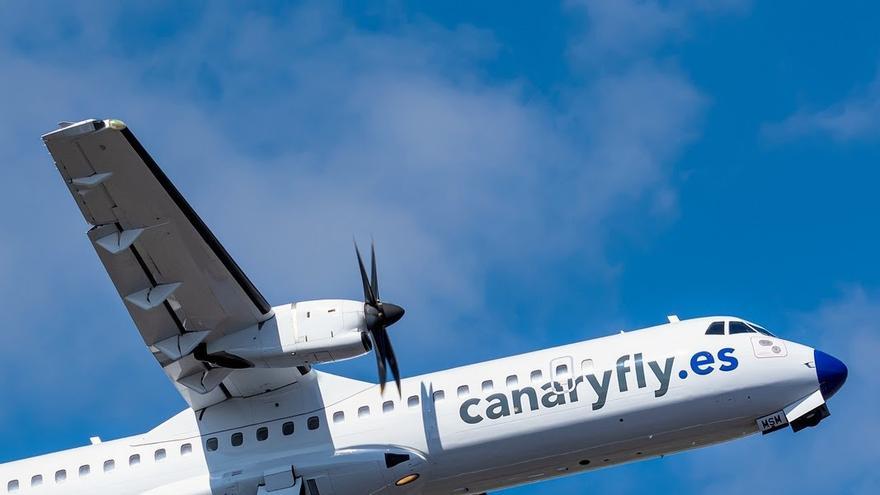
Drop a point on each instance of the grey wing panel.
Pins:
(171, 271)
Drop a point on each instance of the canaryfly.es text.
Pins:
(553, 394)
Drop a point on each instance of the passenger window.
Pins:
(739, 327)
(134, 460)
(439, 395)
(212, 444)
(716, 328)
(237, 439)
(536, 376)
(37, 480)
(159, 455)
(463, 391)
(60, 476)
(388, 406)
(487, 386)
(262, 434)
(109, 466)
(287, 429)
(413, 401)
(363, 411)
(314, 423)
(84, 470)
(562, 371)
(186, 449)
(587, 366)
(12, 486)
(512, 381)
(338, 417)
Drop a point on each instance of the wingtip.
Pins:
(67, 129)
(72, 129)
(116, 124)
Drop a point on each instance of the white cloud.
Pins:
(853, 119)
(616, 30)
(624, 28)
(312, 130)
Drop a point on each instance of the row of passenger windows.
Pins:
(212, 444)
(562, 372)
(86, 469)
(261, 435)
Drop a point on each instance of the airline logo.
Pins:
(552, 394)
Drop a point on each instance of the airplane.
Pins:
(263, 421)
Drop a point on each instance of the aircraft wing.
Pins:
(180, 286)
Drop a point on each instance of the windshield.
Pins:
(736, 327)
(761, 330)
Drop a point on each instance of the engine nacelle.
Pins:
(300, 334)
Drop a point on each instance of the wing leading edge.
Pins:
(180, 286)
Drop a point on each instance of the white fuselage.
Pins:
(506, 422)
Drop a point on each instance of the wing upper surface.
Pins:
(174, 276)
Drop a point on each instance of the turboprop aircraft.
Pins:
(261, 420)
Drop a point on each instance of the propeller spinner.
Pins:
(379, 317)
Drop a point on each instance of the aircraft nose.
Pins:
(831, 373)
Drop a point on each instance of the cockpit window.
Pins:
(740, 327)
(761, 330)
(716, 328)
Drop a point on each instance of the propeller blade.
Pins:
(375, 277)
(378, 317)
(368, 291)
(392, 363)
(379, 350)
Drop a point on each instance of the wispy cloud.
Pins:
(293, 131)
(853, 119)
(615, 30)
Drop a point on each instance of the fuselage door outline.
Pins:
(562, 373)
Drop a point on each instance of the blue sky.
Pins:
(534, 173)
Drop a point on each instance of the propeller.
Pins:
(379, 317)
